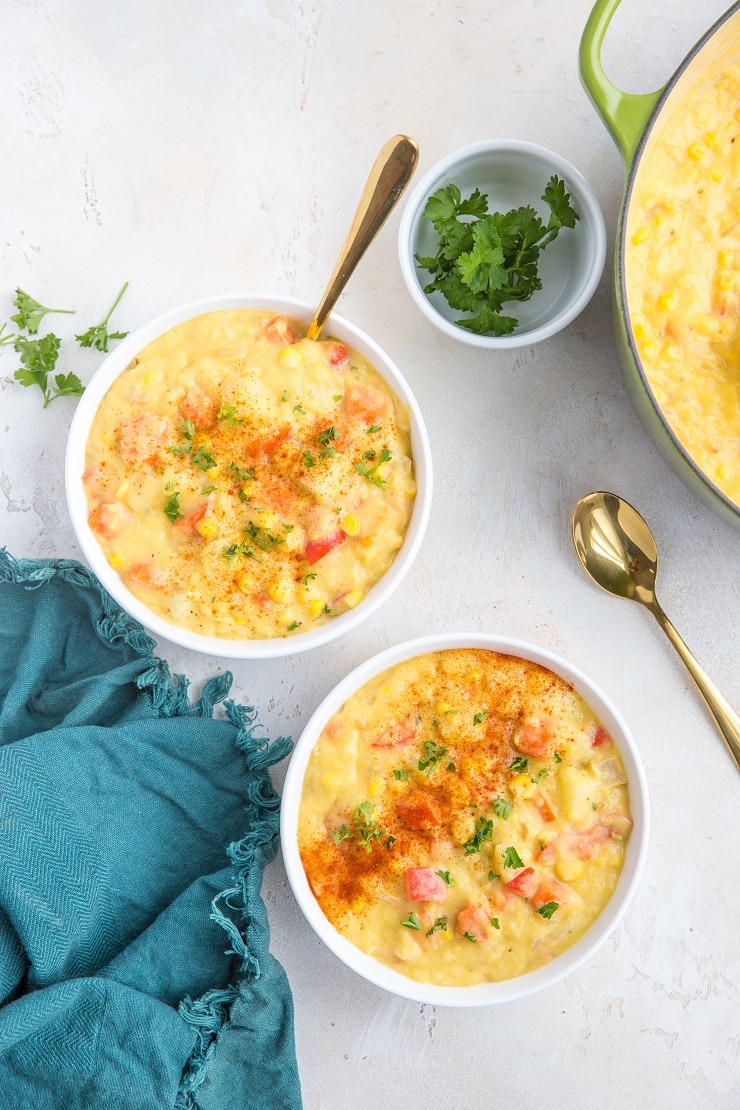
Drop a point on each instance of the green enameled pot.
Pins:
(630, 119)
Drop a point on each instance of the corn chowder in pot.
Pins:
(464, 817)
(246, 482)
(682, 267)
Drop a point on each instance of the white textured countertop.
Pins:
(195, 154)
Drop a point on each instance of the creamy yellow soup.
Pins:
(682, 266)
(246, 482)
(464, 817)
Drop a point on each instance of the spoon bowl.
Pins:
(618, 551)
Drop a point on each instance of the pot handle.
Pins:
(624, 114)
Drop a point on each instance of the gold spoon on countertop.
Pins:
(617, 549)
(388, 178)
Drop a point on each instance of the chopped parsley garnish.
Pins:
(558, 757)
(479, 718)
(371, 473)
(308, 577)
(262, 536)
(7, 338)
(172, 508)
(484, 831)
(470, 937)
(367, 830)
(308, 460)
(299, 408)
(343, 833)
(374, 428)
(228, 415)
(292, 627)
(521, 764)
(502, 808)
(484, 262)
(512, 858)
(401, 776)
(412, 922)
(187, 431)
(493, 877)
(446, 878)
(203, 459)
(548, 909)
(440, 923)
(433, 755)
(326, 437)
(389, 841)
(208, 489)
(541, 774)
(495, 922)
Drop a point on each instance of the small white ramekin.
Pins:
(117, 361)
(512, 173)
(485, 994)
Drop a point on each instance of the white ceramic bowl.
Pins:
(512, 173)
(117, 361)
(488, 993)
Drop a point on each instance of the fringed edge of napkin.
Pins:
(209, 1014)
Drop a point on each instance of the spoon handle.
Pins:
(725, 717)
(388, 178)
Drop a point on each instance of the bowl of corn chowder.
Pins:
(242, 490)
(677, 263)
(464, 819)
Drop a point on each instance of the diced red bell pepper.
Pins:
(550, 890)
(419, 810)
(536, 737)
(424, 885)
(524, 882)
(600, 737)
(192, 519)
(109, 519)
(472, 921)
(400, 734)
(318, 548)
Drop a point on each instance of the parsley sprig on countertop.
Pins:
(485, 259)
(30, 313)
(98, 335)
(39, 354)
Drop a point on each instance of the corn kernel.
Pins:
(724, 258)
(245, 583)
(122, 491)
(717, 174)
(696, 151)
(710, 138)
(207, 528)
(641, 235)
(353, 598)
(726, 279)
(667, 302)
(351, 524)
(475, 676)
(443, 707)
(521, 786)
(116, 562)
(568, 869)
(375, 787)
(649, 348)
(316, 606)
(639, 331)
(292, 357)
(281, 590)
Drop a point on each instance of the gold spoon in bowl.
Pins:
(617, 549)
(388, 178)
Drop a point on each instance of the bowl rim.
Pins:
(74, 466)
(486, 994)
(596, 238)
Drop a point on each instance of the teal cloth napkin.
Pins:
(135, 971)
